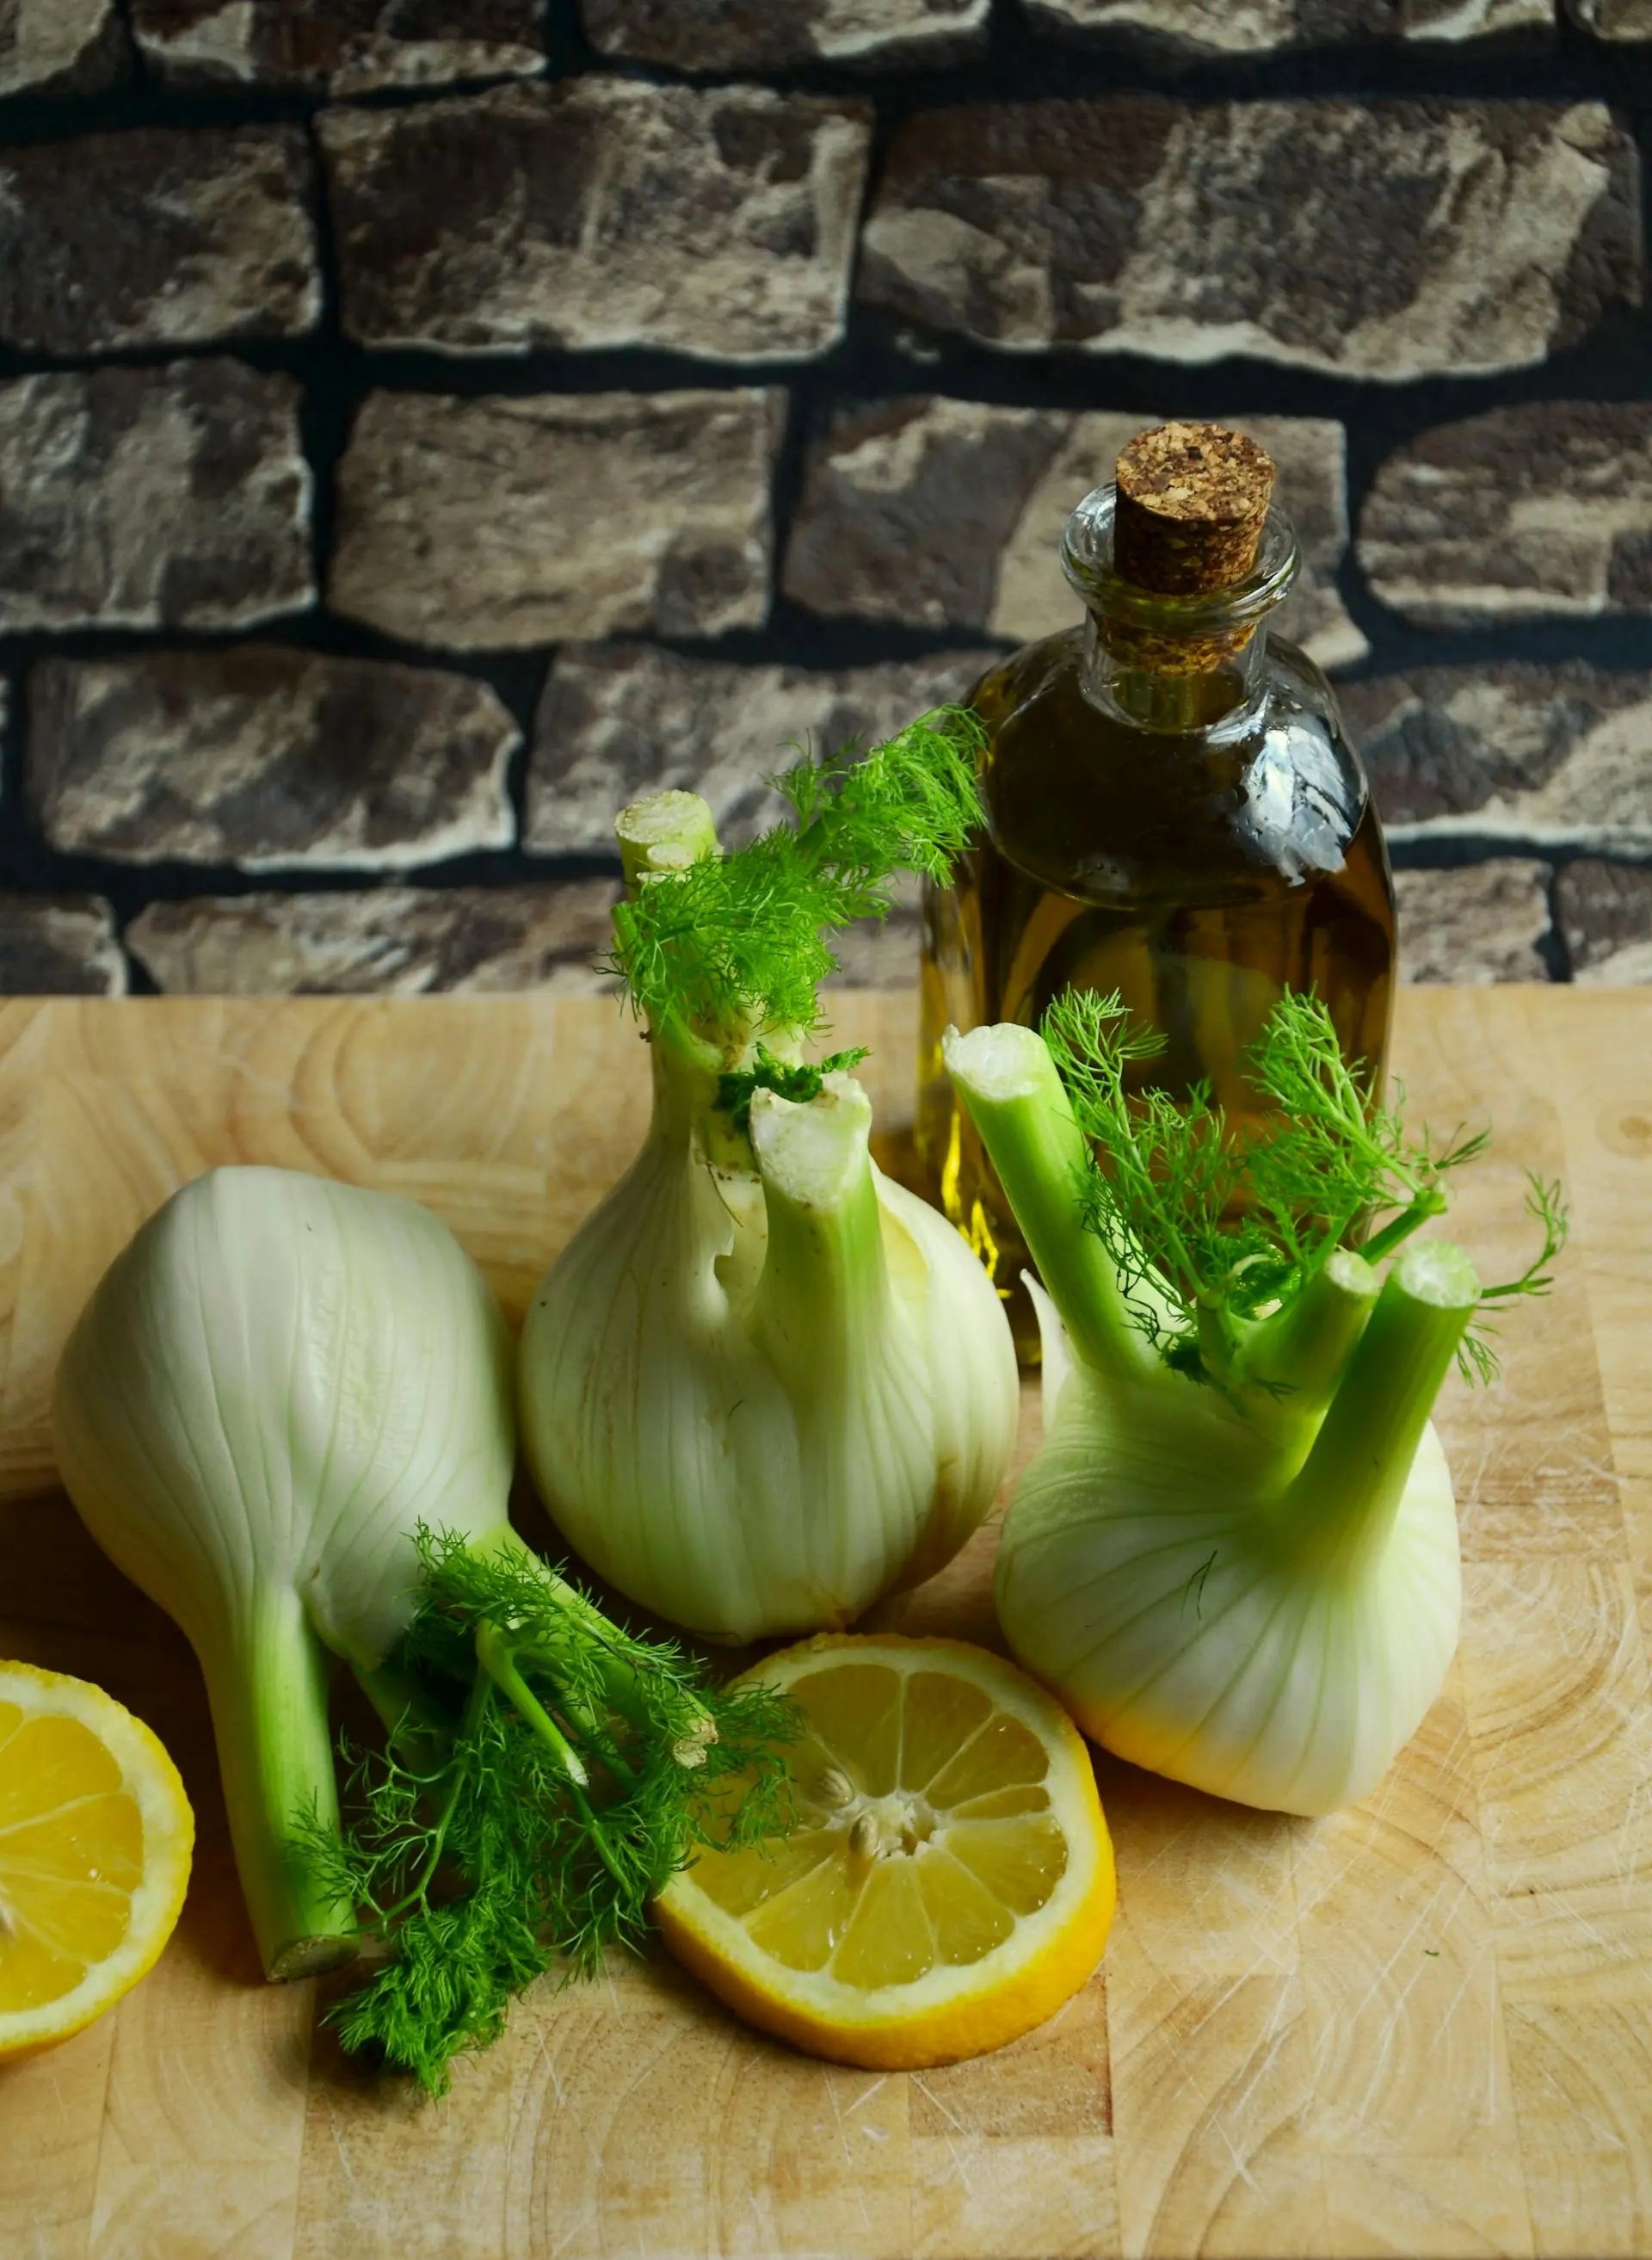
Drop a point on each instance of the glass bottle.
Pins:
(1173, 812)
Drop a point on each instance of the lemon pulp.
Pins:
(95, 1836)
(947, 1880)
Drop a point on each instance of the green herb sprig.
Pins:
(545, 1773)
(1213, 1225)
(738, 941)
(799, 1082)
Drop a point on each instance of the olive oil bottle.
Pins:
(1173, 811)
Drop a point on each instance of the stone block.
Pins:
(1486, 922)
(1252, 26)
(1612, 19)
(264, 757)
(394, 941)
(58, 946)
(599, 212)
(64, 46)
(1552, 756)
(177, 496)
(1605, 914)
(1386, 239)
(1545, 507)
(619, 720)
(500, 522)
(157, 237)
(702, 35)
(342, 47)
(949, 513)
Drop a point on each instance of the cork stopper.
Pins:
(1192, 500)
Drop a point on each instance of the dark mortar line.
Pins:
(1021, 62)
(131, 887)
(877, 360)
(134, 67)
(1024, 61)
(317, 631)
(1554, 948)
(793, 636)
(1463, 851)
(145, 102)
(566, 42)
(11, 750)
(1618, 645)
(807, 407)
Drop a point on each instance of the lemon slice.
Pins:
(95, 1834)
(948, 1879)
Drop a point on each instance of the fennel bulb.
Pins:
(278, 1380)
(764, 1385)
(1235, 1554)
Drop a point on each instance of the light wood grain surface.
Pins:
(1424, 2027)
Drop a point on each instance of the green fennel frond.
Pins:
(736, 1089)
(1212, 1226)
(1477, 1354)
(740, 941)
(577, 1769)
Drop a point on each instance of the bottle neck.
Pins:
(1146, 687)
(1174, 664)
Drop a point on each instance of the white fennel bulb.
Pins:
(1212, 1610)
(755, 1401)
(1235, 1553)
(278, 1380)
(764, 1384)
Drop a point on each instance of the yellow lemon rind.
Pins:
(970, 2009)
(169, 1839)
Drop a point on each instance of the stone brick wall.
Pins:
(425, 423)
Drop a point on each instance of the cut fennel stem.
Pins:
(763, 1385)
(1261, 1603)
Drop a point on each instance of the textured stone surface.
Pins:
(742, 35)
(58, 946)
(1542, 508)
(469, 523)
(599, 212)
(1561, 756)
(58, 46)
(1245, 27)
(1613, 19)
(619, 720)
(348, 47)
(398, 939)
(1604, 913)
(1384, 239)
(157, 237)
(907, 506)
(263, 756)
(1485, 923)
(949, 513)
(157, 497)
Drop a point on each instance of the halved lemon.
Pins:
(95, 1834)
(947, 1881)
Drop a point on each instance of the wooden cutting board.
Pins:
(1424, 2027)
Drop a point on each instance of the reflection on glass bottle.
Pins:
(1173, 812)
